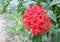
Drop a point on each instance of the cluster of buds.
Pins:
(36, 19)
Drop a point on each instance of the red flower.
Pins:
(37, 19)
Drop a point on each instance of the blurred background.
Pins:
(11, 11)
(11, 29)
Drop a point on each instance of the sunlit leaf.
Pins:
(58, 4)
(54, 2)
(30, 3)
(51, 15)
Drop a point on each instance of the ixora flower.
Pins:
(36, 19)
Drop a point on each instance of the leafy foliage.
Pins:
(55, 2)
(53, 11)
(30, 3)
(4, 4)
(20, 7)
(51, 15)
(17, 29)
(55, 35)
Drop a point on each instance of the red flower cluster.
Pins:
(36, 18)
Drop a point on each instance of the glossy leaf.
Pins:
(30, 3)
(46, 5)
(51, 15)
(54, 2)
(55, 35)
(58, 5)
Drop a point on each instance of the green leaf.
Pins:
(37, 38)
(51, 15)
(30, 3)
(55, 35)
(44, 37)
(20, 7)
(39, 1)
(44, 4)
(1, 7)
(54, 2)
(58, 16)
(58, 5)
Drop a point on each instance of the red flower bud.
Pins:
(37, 19)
